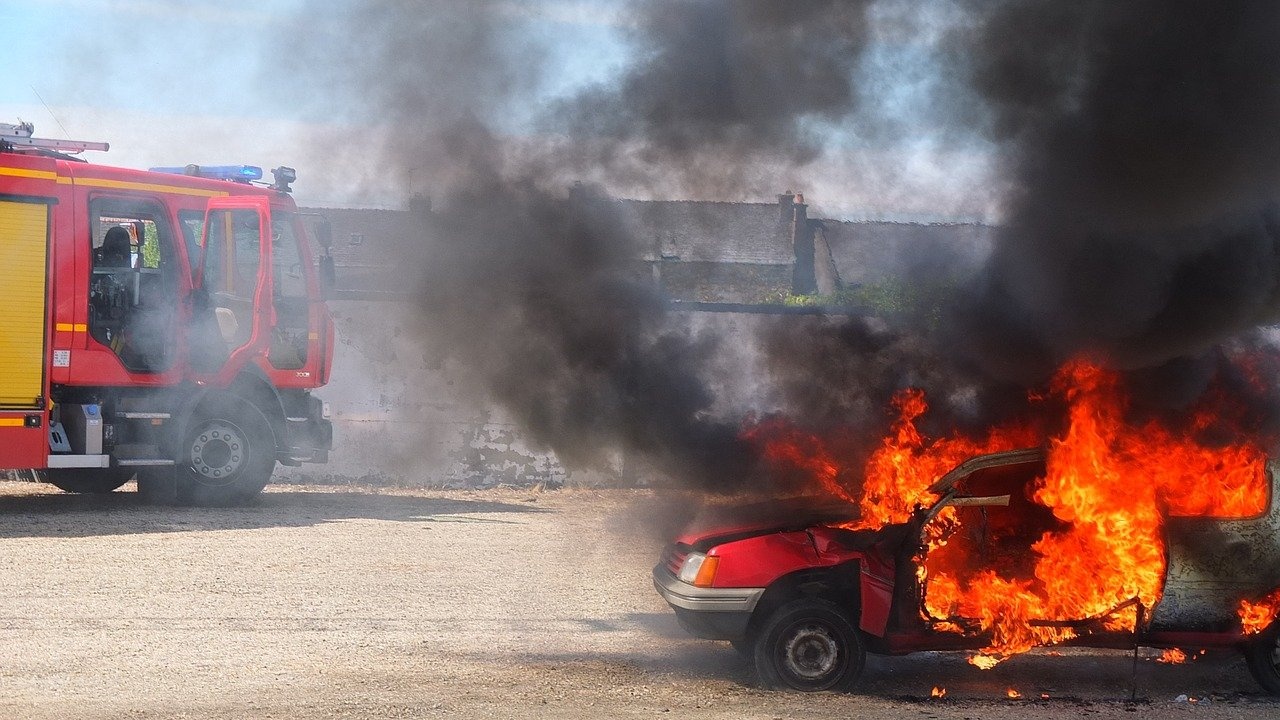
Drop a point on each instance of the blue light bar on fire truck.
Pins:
(236, 173)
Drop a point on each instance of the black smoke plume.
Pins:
(1141, 145)
(531, 290)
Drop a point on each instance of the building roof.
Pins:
(747, 233)
(869, 251)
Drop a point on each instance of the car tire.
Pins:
(809, 645)
(227, 455)
(89, 481)
(1262, 654)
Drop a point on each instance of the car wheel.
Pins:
(227, 454)
(809, 645)
(89, 481)
(1263, 657)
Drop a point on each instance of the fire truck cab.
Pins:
(163, 324)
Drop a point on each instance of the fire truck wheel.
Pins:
(89, 481)
(1263, 657)
(809, 645)
(228, 454)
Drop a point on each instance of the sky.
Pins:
(173, 82)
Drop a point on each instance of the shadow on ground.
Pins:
(57, 514)
(1044, 677)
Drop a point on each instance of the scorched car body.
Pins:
(807, 599)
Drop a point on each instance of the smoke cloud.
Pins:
(1135, 144)
(1139, 138)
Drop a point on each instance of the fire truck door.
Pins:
(232, 309)
(24, 249)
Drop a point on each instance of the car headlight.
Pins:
(699, 569)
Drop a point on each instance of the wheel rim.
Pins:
(811, 652)
(218, 451)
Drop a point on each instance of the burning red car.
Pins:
(806, 598)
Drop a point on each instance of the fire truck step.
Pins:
(145, 462)
(79, 461)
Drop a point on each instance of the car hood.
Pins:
(722, 523)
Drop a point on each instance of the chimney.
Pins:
(785, 202)
(804, 280)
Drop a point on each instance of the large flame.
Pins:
(1097, 557)
(1258, 616)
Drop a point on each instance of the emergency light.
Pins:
(236, 173)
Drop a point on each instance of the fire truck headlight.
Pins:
(699, 569)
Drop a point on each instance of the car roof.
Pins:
(982, 462)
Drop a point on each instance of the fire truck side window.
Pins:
(133, 287)
(231, 257)
(289, 281)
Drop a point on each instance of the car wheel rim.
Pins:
(811, 652)
(218, 451)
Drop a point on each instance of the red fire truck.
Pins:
(163, 324)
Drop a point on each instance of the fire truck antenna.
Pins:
(50, 111)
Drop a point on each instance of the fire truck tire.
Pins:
(809, 645)
(228, 454)
(1262, 655)
(89, 481)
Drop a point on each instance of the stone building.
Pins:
(398, 417)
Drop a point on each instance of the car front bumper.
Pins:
(712, 613)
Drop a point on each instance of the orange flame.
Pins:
(938, 692)
(1257, 616)
(1099, 556)
(1172, 656)
(1013, 694)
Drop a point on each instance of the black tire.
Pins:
(809, 645)
(91, 481)
(227, 455)
(1262, 654)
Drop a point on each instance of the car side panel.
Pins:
(758, 561)
(1213, 564)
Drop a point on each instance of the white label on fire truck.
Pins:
(62, 358)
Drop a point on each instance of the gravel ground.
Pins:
(323, 602)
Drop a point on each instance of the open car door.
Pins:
(232, 313)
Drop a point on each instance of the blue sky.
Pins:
(154, 77)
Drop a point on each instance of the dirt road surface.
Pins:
(354, 603)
